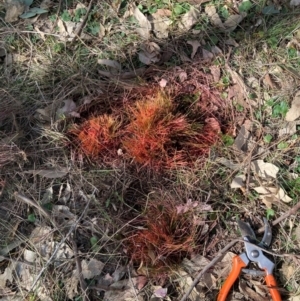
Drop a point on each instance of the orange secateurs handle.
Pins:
(237, 265)
(254, 253)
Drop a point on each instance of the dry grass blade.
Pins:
(10, 153)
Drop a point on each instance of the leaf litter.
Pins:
(144, 24)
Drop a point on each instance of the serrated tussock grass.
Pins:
(152, 132)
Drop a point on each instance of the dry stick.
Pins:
(79, 30)
(59, 246)
(83, 285)
(207, 267)
(293, 210)
(290, 212)
(57, 15)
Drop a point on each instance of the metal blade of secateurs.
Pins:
(247, 231)
(267, 238)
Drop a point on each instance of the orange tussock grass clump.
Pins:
(99, 136)
(169, 236)
(160, 137)
(153, 131)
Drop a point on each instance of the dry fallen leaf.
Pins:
(288, 270)
(224, 266)
(250, 293)
(46, 4)
(216, 73)
(233, 21)
(150, 53)
(114, 65)
(182, 75)
(71, 285)
(297, 234)
(189, 19)
(7, 275)
(264, 169)
(47, 196)
(207, 55)
(63, 215)
(195, 45)
(161, 23)
(295, 2)
(268, 81)
(294, 112)
(91, 268)
(61, 28)
(216, 50)
(185, 282)
(241, 141)
(125, 290)
(186, 207)
(215, 19)
(269, 194)
(64, 193)
(29, 256)
(14, 9)
(239, 90)
(228, 163)
(232, 42)
(160, 292)
(141, 282)
(288, 128)
(238, 181)
(144, 24)
(163, 83)
(69, 109)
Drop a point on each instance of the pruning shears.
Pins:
(254, 253)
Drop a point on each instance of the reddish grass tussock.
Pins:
(169, 236)
(160, 137)
(160, 132)
(99, 136)
(151, 131)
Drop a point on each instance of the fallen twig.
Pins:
(83, 285)
(290, 212)
(206, 268)
(80, 28)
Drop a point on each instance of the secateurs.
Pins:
(254, 253)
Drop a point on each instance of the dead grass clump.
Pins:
(99, 136)
(10, 153)
(170, 235)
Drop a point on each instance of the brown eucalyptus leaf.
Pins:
(233, 21)
(195, 45)
(214, 18)
(189, 19)
(144, 24)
